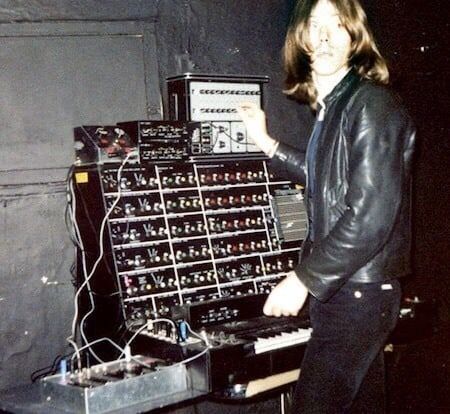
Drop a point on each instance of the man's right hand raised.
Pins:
(255, 123)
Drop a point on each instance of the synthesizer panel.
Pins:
(183, 233)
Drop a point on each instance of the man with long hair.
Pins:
(357, 176)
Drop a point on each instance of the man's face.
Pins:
(329, 40)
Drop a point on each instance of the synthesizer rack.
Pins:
(201, 242)
(187, 233)
(192, 227)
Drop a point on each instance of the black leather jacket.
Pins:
(362, 202)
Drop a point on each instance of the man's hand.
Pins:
(287, 298)
(255, 123)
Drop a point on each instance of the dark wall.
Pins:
(413, 35)
(219, 36)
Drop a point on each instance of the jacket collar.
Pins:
(347, 82)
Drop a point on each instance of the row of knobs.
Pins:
(197, 279)
(178, 181)
(201, 278)
(135, 181)
(169, 283)
(193, 254)
(235, 201)
(134, 235)
(183, 204)
(233, 274)
(240, 248)
(146, 207)
(147, 288)
(188, 229)
(204, 253)
(235, 224)
(231, 177)
(138, 261)
(145, 314)
(138, 181)
(191, 204)
(279, 266)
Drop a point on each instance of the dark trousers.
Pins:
(343, 366)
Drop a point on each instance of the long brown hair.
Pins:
(364, 55)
